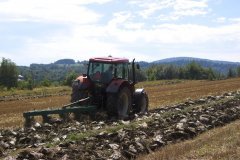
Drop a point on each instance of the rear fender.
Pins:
(114, 86)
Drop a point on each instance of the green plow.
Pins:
(63, 112)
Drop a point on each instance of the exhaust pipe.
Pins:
(133, 71)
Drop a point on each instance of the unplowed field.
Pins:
(161, 93)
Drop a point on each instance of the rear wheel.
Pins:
(118, 105)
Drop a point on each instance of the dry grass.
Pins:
(163, 93)
(220, 143)
(160, 93)
(11, 111)
(36, 91)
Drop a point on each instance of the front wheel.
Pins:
(77, 92)
(141, 103)
(118, 105)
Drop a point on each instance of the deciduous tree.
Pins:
(8, 73)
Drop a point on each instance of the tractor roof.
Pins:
(109, 60)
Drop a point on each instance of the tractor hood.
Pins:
(84, 81)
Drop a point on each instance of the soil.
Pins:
(105, 139)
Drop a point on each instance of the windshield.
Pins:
(105, 72)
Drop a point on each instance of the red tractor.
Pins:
(110, 84)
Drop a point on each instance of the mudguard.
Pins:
(114, 86)
(138, 92)
(138, 104)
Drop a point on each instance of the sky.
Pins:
(44, 31)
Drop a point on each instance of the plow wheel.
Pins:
(118, 105)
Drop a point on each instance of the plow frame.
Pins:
(63, 112)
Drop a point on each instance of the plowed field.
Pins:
(161, 93)
(179, 111)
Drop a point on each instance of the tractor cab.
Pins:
(104, 73)
(104, 70)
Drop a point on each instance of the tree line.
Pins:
(192, 71)
(9, 77)
(9, 74)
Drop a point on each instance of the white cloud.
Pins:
(189, 12)
(221, 19)
(152, 7)
(73, 11)
(85, 41)
(234, 20)
(189, 4)
(133, 26)
(82, 44)
(226, 20)
(179, 8)
(148, 8)
(119, 18)
(135, 32)
(177, 34)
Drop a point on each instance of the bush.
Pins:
(70, 78)
(46, 83)
(25, 85)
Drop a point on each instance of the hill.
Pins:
(65, 61)
(220, 66)
(54, 72)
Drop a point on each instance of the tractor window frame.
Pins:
(120, 71)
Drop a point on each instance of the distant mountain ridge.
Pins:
(220, 66)
(190, 59)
